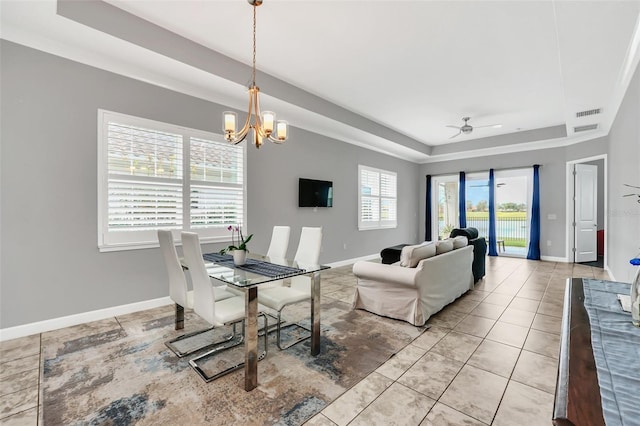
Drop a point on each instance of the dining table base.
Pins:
(251, 330)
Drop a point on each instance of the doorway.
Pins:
(586, 211)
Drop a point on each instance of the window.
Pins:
(477, 202)
(378, 198)
(153, 175)
(512, 189)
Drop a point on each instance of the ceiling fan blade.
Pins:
(453, 127)
(488, 125)
(457, 134)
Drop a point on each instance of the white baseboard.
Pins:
(606, 268)
(68, 321)
(354, 260)
(100, 314)
(554, 259)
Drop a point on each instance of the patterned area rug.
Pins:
(119, 371)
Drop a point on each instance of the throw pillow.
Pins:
(459, 242)
(411, 255)
(444, 246)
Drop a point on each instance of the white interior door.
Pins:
(586, 212)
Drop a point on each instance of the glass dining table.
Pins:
(257, 271)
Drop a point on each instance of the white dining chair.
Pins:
(308, 253)
(279, 242)
(178, 288)
(220, 313)
(277, 298)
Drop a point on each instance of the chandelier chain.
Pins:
(254, 45)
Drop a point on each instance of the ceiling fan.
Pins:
(467, 128)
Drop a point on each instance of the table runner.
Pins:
(253, 265)
(616, 349)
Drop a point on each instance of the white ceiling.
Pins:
(387, 75)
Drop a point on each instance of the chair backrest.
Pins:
(309, 246)
(279, 242)
(203, 299)
(177, 279)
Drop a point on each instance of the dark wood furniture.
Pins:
(577, 391)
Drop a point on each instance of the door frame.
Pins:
(435, 202)
(570, 211)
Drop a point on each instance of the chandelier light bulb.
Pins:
(268, 121)
(282, 130)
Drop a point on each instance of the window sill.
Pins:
(373, 228)
(106, 248)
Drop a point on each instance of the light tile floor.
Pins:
(490, 358)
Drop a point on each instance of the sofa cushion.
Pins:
(459, 242)
(444, 246)
(411, 255)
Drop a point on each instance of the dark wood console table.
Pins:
(577, 391)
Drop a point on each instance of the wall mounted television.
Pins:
(315, 193)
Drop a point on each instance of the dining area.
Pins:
(242, 299)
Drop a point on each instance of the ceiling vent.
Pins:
(585, 128)
(588, 112)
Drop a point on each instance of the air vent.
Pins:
(588, 112)
(585, 128)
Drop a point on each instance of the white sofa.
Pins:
(432, 279)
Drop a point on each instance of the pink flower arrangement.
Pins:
(241, 240)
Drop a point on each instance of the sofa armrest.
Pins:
(385, 273)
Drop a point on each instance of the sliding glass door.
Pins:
(477, 199)
(513, 211)
(513, 192)
(445, 215)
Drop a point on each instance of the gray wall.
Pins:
(624, 168)
(552, 183)
(273, 191)
(50, 264)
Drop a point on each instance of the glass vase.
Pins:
(635, 294)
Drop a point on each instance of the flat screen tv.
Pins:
(315, 193)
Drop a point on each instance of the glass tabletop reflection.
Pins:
(238, 277)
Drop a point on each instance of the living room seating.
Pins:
(428, 277)
(391, 255)
(479, 249)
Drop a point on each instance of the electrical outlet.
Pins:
(548, 243)
(344, 246)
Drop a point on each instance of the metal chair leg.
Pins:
(194, 362)
(180, 354)
(278, 341)
(179, 317)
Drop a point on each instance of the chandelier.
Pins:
(264, 124)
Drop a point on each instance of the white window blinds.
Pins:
(145, 178)
(217, 192)
(378, 198)
(154, 175)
